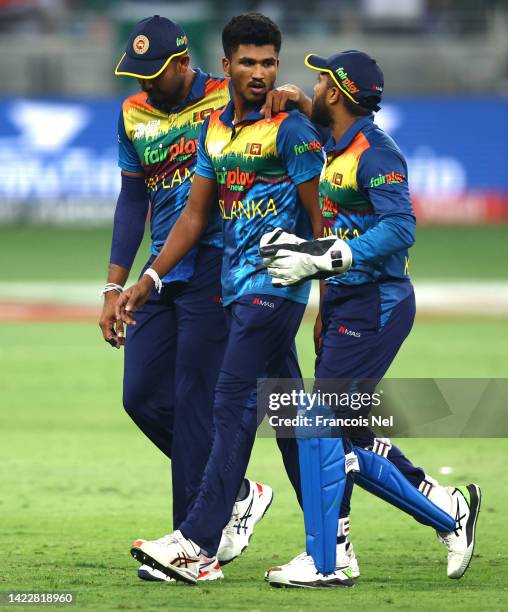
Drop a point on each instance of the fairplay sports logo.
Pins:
(346, 81)
(329, 208)
(180, 151)
(305, 147)
(390, 178)
(236, 180)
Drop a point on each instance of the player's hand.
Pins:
(318, 333)
(132, 299)
(277, 99)
(108, 321)
(320, 258)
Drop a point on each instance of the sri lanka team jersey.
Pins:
(162, 143)
(364, 198)
(257, 165)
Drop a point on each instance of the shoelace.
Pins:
(238, 521)
(168, 539)
(447, 538)
(229, 529)
(301, 557)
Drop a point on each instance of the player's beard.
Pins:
(320, 113)
(170, 99)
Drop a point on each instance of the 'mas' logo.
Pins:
(181, 40)
(389, 178)
(346, 81)
(305, 147)
(349, 332)
(236, 180)
(259, 302)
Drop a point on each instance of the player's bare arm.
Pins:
(309, 197)
(117, 277)
(184, 235)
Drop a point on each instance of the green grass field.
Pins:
(80, 482)
(81, 254)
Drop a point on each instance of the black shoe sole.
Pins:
(316, 585)
(145, 559)
(147, 577)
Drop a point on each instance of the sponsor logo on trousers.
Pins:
(349, 332)
(259, 302)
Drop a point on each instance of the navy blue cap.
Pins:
(355, 73)
(153, 44)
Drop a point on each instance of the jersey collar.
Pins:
(228, 114)
(347, 138)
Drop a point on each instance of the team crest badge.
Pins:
(253, 149)
(337, 179)
(140, 44)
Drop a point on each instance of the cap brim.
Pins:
(316, 62)
(143, 69)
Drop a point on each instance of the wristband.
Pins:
(155, 277)
(112, 287)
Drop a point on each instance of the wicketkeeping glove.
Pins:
(277, 239)
(296, 262)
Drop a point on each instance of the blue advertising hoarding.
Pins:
(59, 157)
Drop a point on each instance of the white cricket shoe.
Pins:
(346, 558)
(461, 541)
(173, 554)
(301, 572)
(209, 569)
(246, 514)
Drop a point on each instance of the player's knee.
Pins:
(134, 399)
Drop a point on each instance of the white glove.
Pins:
(272, 241)
(320, 258)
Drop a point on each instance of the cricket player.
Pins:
(173, 354)
(368, 305)
(259, 175)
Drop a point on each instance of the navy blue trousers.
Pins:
(367, 354)
(260, 345)
(172, 360)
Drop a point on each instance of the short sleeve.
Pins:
(299, 148)
(127, 156)
(382, 176)
(204, 165)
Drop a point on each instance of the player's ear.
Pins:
(183, 63)
(333, 95)
(226, 66)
